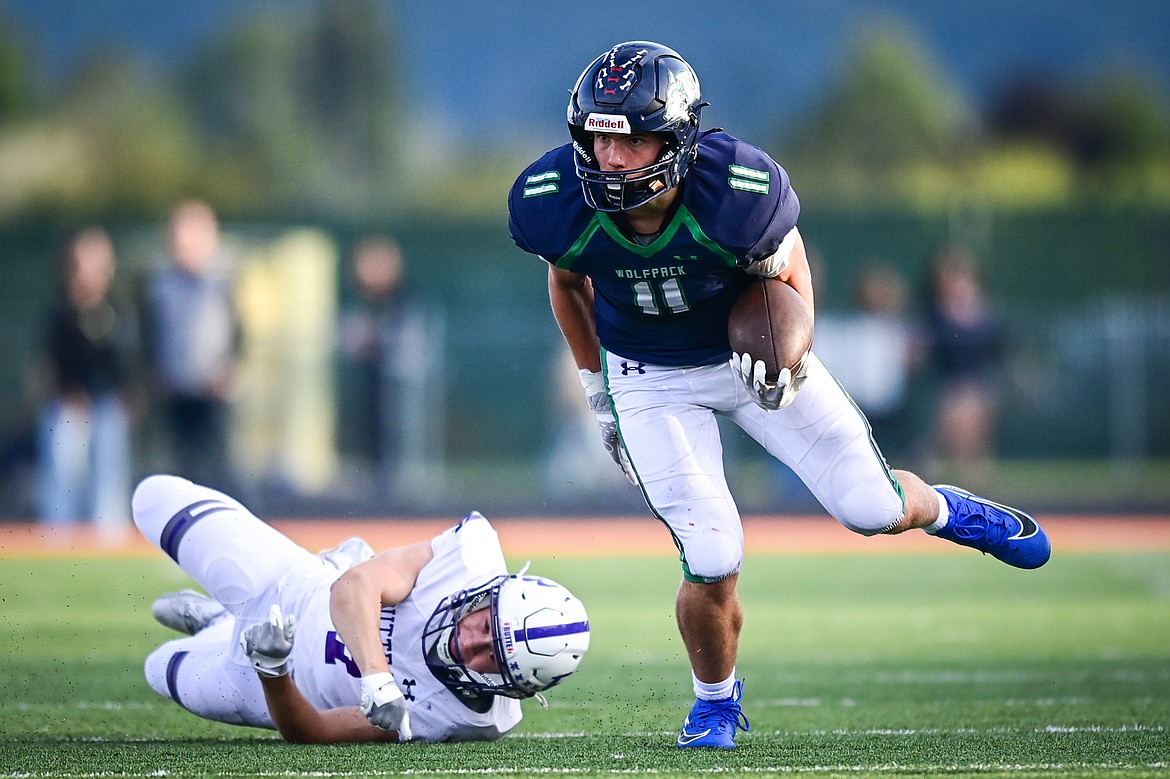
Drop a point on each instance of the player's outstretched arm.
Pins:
(299, 723)
(355, 604)
(268, 645)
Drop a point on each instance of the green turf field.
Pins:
(855, 666)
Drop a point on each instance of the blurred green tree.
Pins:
(895, 132)
(15, 89)
(1134, 118)
(892, 129)
(114, 141)
(291, 112)
(139, 150)
(304, 104)
(1115, 131)
(299, 112)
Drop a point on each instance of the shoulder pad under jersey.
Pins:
(546, 210)
(740, 196)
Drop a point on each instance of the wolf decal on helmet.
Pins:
(682, 92)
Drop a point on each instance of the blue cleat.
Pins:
(1005, 533)
(713, 724)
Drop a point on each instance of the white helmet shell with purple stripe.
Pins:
(541, 632)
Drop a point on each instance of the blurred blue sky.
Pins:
(498, 70)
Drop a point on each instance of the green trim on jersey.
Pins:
(698, 234)
(649, 250)
(569, 257)
(682, 217)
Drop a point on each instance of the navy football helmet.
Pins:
(638, 86)
(540, 632)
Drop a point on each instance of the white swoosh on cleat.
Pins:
(687, 738)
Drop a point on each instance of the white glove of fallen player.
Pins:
(769, 395)
(268, 644)
(599, 402)
(384, 705)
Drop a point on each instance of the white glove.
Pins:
(268, 644)
(769, 395)
(384, 705)
(599, 402)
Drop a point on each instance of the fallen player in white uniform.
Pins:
(433, 641)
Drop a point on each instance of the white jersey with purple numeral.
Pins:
(248, 566)
(466, 556)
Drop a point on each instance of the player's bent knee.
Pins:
(712, 557)
(868, 515)
(149, 493)
(157, 665)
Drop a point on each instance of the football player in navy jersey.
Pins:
(651, 229)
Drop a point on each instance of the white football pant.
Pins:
(668, 422)
(243, 563)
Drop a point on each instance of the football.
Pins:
(770, 322)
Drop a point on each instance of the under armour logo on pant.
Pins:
(628, 368)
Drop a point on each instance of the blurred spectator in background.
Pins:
(872, 352)
(382, 343)
(965, 340)
(192, 335)
(84, 437)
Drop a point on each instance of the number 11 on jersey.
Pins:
(669, 293)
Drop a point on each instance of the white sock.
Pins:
(716, 691)
(944, 514)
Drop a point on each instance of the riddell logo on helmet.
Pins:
(607, 123)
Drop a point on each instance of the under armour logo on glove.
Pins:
(384, 704)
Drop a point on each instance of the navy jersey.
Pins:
(665, 303)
